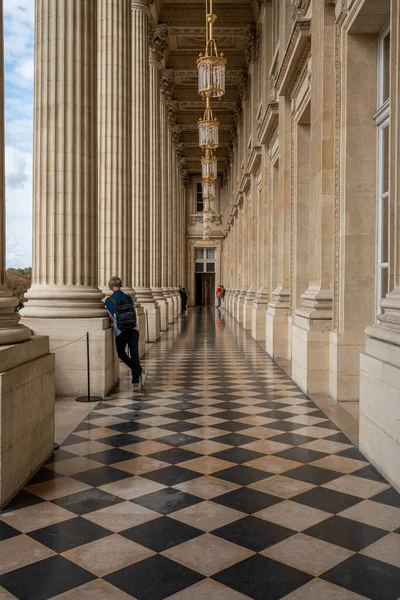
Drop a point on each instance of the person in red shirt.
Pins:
(218, 294)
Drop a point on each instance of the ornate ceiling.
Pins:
(185, 22)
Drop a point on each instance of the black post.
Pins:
(88, 398)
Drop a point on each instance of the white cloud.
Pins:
(19, 68)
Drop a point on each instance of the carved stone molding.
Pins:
(252, 44)
(238, 115)
(244, 85)
(300, 8)
(172, 111)
(167, 84)
(158, 42)
(141, 4)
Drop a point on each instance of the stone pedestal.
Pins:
(310, 354)
(258, 321)
(277, 325)
(344, 365)
(27, 413)
(380, 403)
(70, 355)
(248, 302)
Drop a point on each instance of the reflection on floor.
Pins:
(222, 482)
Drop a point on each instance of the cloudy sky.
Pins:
(18, 33)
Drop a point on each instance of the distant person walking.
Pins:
(184, 299)
(218, 295)
(222, 296)
(122, 312)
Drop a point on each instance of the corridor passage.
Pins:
(227, 484)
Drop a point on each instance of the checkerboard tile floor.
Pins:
(222, 481)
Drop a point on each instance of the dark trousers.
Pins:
(184, 305)
(131, 339)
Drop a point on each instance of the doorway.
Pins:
(205, 289)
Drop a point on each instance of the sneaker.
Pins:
(135, 385)
(143, 377)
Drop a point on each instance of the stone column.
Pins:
(140, 168)
(64, 300)
(167, 86)
(26, 369)
(313, 319)
(380, 363)
(158, 43)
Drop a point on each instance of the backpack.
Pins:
(125, 315)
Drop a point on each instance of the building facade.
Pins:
(305, 234)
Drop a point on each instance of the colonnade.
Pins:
(108, 199)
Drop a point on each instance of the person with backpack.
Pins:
(222, 295)
(122, 313)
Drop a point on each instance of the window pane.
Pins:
(210, 267)
(199, 206)
(385, 160)
(385, 230)
(384, 282)
(211, 253)
(199, 253)
(386, 68)
(199, 267)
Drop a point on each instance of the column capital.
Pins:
(141, 4)
(172, 109)
(167, 84)
(158, 43)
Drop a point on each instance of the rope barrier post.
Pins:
(88, 397)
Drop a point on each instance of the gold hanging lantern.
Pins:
(208, 189)
(209, 167)
(211, 66)
(208, 129)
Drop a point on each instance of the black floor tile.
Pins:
(238, 455)
(7, 532)
(172, 475)
(178, 439)
(311, 474)
(183, 415)
(22, 500)
(233, 426)
(121, 439)
(247, 500)
(279, 414)
(303, 455)
(346, 533)
(114, 455)
(167, 501)
(293, 439)
(87, 501)
(161, 534)
(370, 472)
(102, 475)
(327, 500)
(326, 425)
(44, 475)
(366, 576)
(235, 439)
(255, 534)
(175, 455)
(180, 426)
(69, 534)
(45, 579)
(59, 455)
(72, 439)
(85, 427)
(352, 453)
(242, 475)
(283, 426)
(338, 437)
(230, 415)
(129, 426)
(155, 578)
(389, 497)
(262, 578)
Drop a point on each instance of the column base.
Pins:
(258, 321)
(27, 413)
(170, 304)
(70, 358)
(141, 317)
(153, 322)
(380, 403)
(277, 343)
(239, 306)
(163, 305)
(310, 354)
(344, 366)
(248, 302)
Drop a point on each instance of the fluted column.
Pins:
(65, 301)
(115, 142)
(65, 253)
(140, 167)
(158, 43)
(11, 331)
